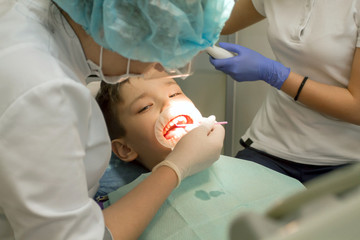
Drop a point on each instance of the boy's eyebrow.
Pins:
(171, 82)
(168, 83)
(137, 98)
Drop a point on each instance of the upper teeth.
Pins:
(174, 122)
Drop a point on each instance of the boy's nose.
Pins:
(166, 103)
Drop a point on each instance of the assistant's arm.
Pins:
(340, 102)
(243, 15)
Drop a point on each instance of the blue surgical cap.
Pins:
(171, 32)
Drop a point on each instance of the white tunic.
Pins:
(315, 38)
(54, 145)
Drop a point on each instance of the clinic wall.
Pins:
(207, 86)
(250, 95)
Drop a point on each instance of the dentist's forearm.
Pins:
(129, 216)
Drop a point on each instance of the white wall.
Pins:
(250, 95)
(207, 86)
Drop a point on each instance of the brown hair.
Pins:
(108, 99)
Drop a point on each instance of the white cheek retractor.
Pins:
(171, 124)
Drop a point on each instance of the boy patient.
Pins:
(146, 117)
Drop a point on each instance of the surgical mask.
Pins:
(161, 73)
(176, 121)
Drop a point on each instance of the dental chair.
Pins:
(328, 210)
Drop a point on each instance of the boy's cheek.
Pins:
(153, 155)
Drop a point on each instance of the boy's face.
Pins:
(143, 101)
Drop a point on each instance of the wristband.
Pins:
(300, 88)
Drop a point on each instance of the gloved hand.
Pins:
(197, 150)
(249, 65)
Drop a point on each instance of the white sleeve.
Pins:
(259, 6)
(357, 21)
(43, 181)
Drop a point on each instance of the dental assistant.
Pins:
(309, 123)
(54, 145)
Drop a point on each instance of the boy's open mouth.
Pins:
(172, 131)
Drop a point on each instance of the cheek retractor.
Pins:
(167, 129)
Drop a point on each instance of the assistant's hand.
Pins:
(249, 65)
(197, 150)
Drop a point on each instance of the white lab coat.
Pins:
(54, 145)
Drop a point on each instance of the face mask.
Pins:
(97, 70)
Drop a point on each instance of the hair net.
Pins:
(171, 32)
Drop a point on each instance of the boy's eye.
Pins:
(144, 108)
(175, 94)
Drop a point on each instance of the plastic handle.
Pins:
(219, 53)
(189, 124)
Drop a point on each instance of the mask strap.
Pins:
(114, 79)
(102, 76)
(100, 58)
(128, 67)
(127, 75)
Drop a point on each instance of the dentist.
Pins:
(54, 145)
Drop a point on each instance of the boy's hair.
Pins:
(108, 98)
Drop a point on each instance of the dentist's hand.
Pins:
(249, 65)
(197, 150)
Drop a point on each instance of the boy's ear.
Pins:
(123, 151)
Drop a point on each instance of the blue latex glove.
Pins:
(249, 65)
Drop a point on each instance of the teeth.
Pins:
(182, 118)
(174, 122)
(177, 113)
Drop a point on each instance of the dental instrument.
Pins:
(218, 52)
(191, 124)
